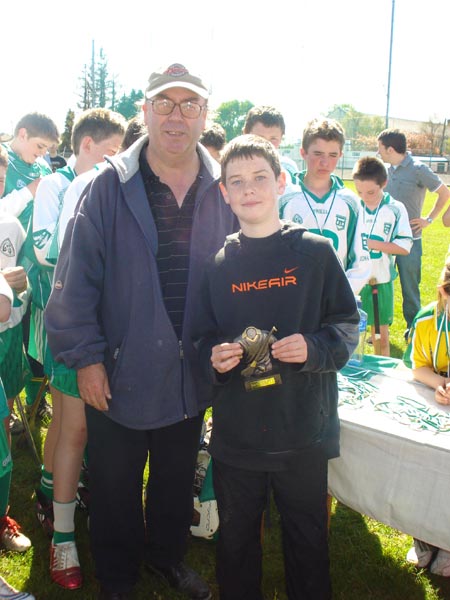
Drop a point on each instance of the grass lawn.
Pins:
(367, 558)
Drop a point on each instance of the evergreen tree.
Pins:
(66, 138)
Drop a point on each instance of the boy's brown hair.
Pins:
(370, 168)
(325, 129)
(267, 115)
(38, 125)
(248, 146)
(99, 124)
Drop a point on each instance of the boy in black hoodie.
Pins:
(276, 320)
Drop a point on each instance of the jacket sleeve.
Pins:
(72, 323)
(205, 334)
(332, 345)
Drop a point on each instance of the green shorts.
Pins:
(64, 379)
(385, 303)
(37, 344)
(14, 367)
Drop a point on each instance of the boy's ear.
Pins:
(302, 152)
(223, 189)
(281, 183)
(85, 143)
(22, 133)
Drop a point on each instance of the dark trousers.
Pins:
(117, 457)
(300, 495)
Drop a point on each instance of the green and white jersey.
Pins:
(72, 196)
(387, 223)
(337, 217)
(46, 207)
(18, 176)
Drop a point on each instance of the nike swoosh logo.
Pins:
(287, 271)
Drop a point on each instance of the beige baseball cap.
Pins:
(175, 75)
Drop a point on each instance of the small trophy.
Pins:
(259, 371)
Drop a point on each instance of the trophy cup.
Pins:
(258, 371)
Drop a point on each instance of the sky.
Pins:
(300, 56)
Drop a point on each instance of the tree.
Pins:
(231, 115)
(97, 90)
(66, 138)
(357, 125)
(432, 131)
(128, 106)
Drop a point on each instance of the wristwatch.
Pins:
(429, 219)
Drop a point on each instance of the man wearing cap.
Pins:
(124, 294)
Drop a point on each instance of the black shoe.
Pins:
(107, 595)
(44, 512)
(184, 579)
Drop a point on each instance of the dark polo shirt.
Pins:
(174, 226)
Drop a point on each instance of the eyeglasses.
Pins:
(189, 109)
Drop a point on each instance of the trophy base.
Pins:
(256, 383)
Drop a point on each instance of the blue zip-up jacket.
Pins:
(107, 306)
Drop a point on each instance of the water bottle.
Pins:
(357, 357)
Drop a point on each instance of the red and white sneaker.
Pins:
(10, 536)
(65, 566)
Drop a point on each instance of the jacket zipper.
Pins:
(180, 345)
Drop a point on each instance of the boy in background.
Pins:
(276, 320)
(323, 205)
(33, 135)
(214, 139)
(387, 234)
(96, 133)
(268, 122)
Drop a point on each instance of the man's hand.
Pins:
(418, 224)
(16, 278)
(291, 349)
(93, 386)
(225, 357)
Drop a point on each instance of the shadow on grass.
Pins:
(362, 569)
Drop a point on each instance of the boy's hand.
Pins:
(291, 349)
(225, 357)
(442, 394)
(16, 278)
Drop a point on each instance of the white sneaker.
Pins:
(10, 536)
(421, 554)
(441, 564)
(15, 424)
(7, 592)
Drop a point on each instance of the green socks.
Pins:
(5, 483)
(46, 485)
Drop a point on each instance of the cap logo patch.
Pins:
(176, 70)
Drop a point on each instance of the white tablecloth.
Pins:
(390, 471)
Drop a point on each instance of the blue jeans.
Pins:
(409, 269)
